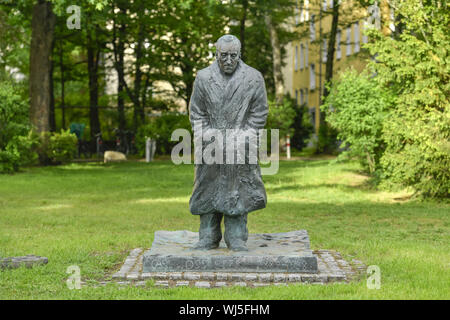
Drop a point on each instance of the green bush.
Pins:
(16, 140)
(19, 151)
(327, 140)
(281, 117)
(414, 66)
(161, 128)
(58, 147)
(357, 107)
(303, 127)
(62, 146)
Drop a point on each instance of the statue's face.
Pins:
(228, 55)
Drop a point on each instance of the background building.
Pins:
(306, 57)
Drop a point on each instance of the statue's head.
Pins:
(228, 53)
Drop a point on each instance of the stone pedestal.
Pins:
(172, 251)
(27, 261)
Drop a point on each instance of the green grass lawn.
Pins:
(92, 214)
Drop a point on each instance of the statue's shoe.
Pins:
(206, 245)
(238, 246)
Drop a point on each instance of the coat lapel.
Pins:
(215, 78)
(230, 94)
(235, 83)
(234, 91)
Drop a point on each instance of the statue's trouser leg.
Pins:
(236, 232)
(210, 232)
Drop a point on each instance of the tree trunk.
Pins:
(144, 98)
(242, 27)
(188, 79)
(42, 28)
(138, 79)
(121, 76)
(93, 54)
(61, 66)
(51, 119)
(324, 128)
(276, 57)
(119, 53)
(331, 48)
(330, 56)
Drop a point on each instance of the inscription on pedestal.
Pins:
(271, 252)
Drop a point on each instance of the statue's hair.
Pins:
(228, 38)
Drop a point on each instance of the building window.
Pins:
(312, 29)
(348, 42)
(306, 11)
(296, 58)
(296, 96)
(331, 4)
(356, 36)
(306, 55)
(324, 50)
(302, 98)
(302, 55)
(324, 5)
(306, 96)
(338, 45)
(312, 76)
(304, 14)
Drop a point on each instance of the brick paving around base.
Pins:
(332, 268)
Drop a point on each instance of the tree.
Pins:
(414, 67)
(336, 12)
(277, 16)
(119, 39)
(357, 107)
(341, 15)
(264, 27)
(331, 47)
(136, 31)
(42, 36)
(15, 140)
(15, 29)
(42, 25)
(192, 28)
(94, 46)
(240, 9)
(276, 58)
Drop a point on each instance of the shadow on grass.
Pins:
(99, 168)
(355, 221)
(342, 187)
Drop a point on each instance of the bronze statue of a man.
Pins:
(228, 95)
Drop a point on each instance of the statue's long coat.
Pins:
(240, 103)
